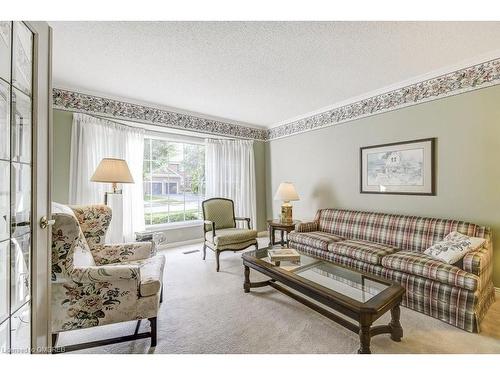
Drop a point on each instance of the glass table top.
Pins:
(342, 280)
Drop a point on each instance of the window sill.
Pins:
(178, 225)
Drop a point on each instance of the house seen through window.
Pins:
(174, 176)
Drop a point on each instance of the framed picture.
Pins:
(399, 168)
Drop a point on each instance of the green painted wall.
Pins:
(62, 144)
(324, 164)
(60, 188)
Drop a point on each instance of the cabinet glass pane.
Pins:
(22, 57)
(20, 327)
(19, 271)
(20, 191)
(4, 120)
(21, 127)
(4, 337)
(5, 30)
(4, 280)
(4, 199)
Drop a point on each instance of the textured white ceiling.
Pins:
(259, 73)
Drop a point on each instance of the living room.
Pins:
(258, 184)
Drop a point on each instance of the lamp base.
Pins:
(286, 213)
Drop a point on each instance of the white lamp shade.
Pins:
(286, 192)
(112, 170)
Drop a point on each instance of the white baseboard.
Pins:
(180, 243)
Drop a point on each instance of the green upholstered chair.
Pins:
(221, 233)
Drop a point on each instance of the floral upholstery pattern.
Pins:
(100, 284)
(126, 252)
(94, 222)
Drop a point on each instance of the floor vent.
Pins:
(190, 251)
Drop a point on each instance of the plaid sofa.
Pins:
(392, 246)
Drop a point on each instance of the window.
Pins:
(174, 181)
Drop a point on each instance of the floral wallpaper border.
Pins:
(460, 81)
(90, 104)
(457, 82)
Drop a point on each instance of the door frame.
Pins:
(41, 185)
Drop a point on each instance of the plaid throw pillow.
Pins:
(454, 247)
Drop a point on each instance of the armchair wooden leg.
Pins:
(257, 246)
(217, 253)
(137, 327)
(152, 322)
(55, 336)
(204, 251)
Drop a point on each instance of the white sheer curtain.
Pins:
(230, 173)
(93, 139)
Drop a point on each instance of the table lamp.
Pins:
(113, 171)
(286, 192)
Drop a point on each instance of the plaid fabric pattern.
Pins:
(411, 233)
(365, 251)
(321, 240)
(430, 268)
(477, 262)
(456, 306)
(311, 226)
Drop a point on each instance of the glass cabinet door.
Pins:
(5, 42)
(16, 98)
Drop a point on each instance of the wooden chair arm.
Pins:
(247, 219)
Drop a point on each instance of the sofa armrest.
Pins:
(124, 252)
(311, 226)
(478, 262)
(107, 273)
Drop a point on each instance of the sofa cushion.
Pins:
(454, 247)
(370, 252)
(230, 236)
(410, 233)
(317, 239)
(426, 266)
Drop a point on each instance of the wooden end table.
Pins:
(276, 224)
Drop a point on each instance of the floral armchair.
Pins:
(93, 283)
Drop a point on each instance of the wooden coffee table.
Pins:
(352, 293)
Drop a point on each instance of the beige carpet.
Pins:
(207, 312)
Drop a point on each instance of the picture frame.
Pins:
(406, 168)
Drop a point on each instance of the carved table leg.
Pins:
(364, 339)
(246, 284)
(270, 235)
(396, 328)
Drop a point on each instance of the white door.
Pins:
(24, 181)
(42, 162)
